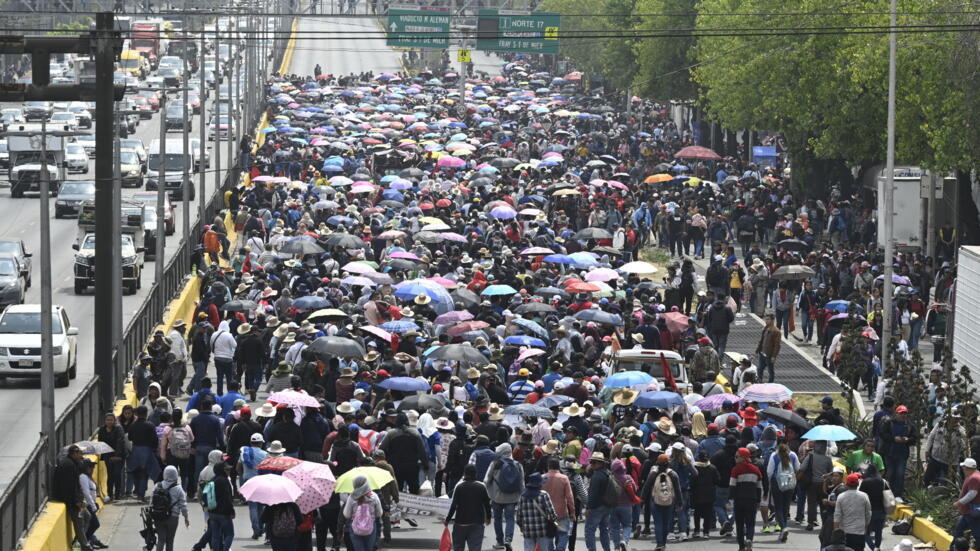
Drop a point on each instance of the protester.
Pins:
(168, 504)
(536, 516)
(469, 511)
(852, 513)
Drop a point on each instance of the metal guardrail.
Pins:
(28, 490)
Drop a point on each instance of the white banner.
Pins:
(414, 505)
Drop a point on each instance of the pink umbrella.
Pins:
(376, 331)
(403, 254)
(529, 353)
(551, 154)
(447, 283)
(295, 399)
(450, 162)
(466, 327)
(455, 316)
(317, 482)
(392, 234)
(537, 250)
(270, 489)
(620, 185)
(602, 274)
(453, 237)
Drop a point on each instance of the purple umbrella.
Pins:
(456, 316)
(503, 212)
(450, 236)
(715, 401)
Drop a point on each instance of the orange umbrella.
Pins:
(657, 178)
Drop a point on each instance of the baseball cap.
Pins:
(744, 453)
(901, 409)
(718, 258)
(969, 463)
(838, 469)
(704, 340)
(629, 449)
(523, 372)
(712, 428)
(257, 438)
(853, 479)
(826, 400)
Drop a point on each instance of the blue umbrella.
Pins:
(340, 220)
(400, 326)
(659, 399)
(311, 303)
(841, 306)
(583, 260)
(412, 290)
(558, 259)
(628, 378)
(524, 340)
(392, 194)
(494, 290)
(531, 326)
(404, 384)
(599, 316)
(833, 433)
(555, 401)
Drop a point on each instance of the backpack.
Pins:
(208, 498)
(509, 476)
(663, 491)
(283, 524)
(610, 498)
(363, 522)
(180, 443)
(785, 478)
(161, 503)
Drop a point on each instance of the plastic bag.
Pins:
(446, 542)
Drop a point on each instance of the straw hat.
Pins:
(347, 372)
(666, 426)
(244, 328)
(496, 412)
(422, 299)
(472, 373)
(345, 408)
(267, 410)
(638, 337)
(551, 447)
(371, 356)
(407, 312)
(444, 424)
(625, 396)
(275, 449)
(269, 292)
(574, 410)
(599, 456)
(272, 322)
(281, 329)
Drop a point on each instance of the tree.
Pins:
(664, 64)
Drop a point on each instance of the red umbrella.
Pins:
(466, 327)
(677, 322)
(426, 206)
(372, 141)
(582, 287)
(444, 202)
(697, 152)
(281, 463)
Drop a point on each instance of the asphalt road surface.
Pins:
(19, 219)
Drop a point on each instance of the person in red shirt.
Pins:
(745, 484)
(969, 498)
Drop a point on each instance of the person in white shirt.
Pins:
(295, 352)
(178, 347)
(223, 345)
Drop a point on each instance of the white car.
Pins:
(20, 343)
(87, 141)
(64, 118)
(76, 158)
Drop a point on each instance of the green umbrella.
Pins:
(376, 476)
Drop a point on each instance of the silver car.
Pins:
(76, 158)
(13, 285)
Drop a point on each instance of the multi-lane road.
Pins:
(21, 418)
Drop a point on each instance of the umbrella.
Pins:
(310, 302)
(715, 401)
(896, 279)
(697, 152)
(466, 327)
(270, 489)
(494, 290)
(529, 410)
(317, 482)
(465, 297)
(599, 316)
(785, 417)
(795, 271)
(278, 464)
(638, 267)
(337, 346)
(582, 287)
(459, 353)
(833, 433)
(676, 322)
(658, 399)
(400, 326)
(376, 331)
(593, 233)
(534, 307)
(239, 306)
(422, 402)
(344, 240)
(766, 392)
(842, 306)
(327, 313)
(524, 340)
(353, 281)
(404, 384)
(793, 245)
(602, 274)
(550, 291)
(531, 326)
(627, 379)
(92, 447)
(357, 268)
(293, 398)
(376, 477)
(456, 316)
(555, 401)
(301, 245)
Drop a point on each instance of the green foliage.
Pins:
(73, 28)
(663, 63)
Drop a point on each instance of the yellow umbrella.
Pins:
(376, 477)
(430, 220)
(564, 192)
(693, 182)
(657, 178)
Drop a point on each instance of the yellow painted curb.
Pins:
(287, 56)
(51, 530)
(923, 529)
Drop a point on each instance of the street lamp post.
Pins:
(117, 317)
(889, 198)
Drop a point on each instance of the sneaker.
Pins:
(777, 528)
(622, 547)
(636, 533)
(646, 531)
(809, 527)
(748, 545)
(706, 533)
(783, 536)
(767, 529)
(685, 536)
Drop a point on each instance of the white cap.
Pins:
(627, 448)
(654, 447)
(257, 438)
(678, 446)
(557, 426)
(969, 463)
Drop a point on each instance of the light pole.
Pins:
(117, 316)
(889, 198)
(202, 200)
(219, 71)
(185, 183)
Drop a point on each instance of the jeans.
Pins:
(598, 518)
(745, 522)
(543, 544)
(501, 512)
(721, 501)
(683, 514)
(115, 478)
(965, 523)
(780, 504)
(721, 341)
(200, 461)
(663, 517)
(467, 535)
(915, 328)
(225, 370)
(363, 543)
(875, 528)
(79, 519)
(166, 530)
(801, 492)
(782, 322)
(806, 320)
(93, 526)
(854, 541)
(253, 376)
(897, 463)
(222, 531)
(936, 471)
(200, 371)
(255, 517)
(699, 248)
(564, 530)
(765, 363)
(621, 524)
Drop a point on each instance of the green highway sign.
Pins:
(532, 33)
(417, 28)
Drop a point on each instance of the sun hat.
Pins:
(495, 412)
(625, 396)
(551, 447)
(599, 456)
(345, 407)
(275, 449)
(574, 410)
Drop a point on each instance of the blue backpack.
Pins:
(484, 457)
(509, 477)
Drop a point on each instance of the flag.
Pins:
(669, 381)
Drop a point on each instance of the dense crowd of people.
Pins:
(454, 282)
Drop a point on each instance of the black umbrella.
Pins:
(550, 292)
(411, 173)
(593, 233)
(794, 245)
(459, 353)
(786, 417)
(607, 250)
(344, 240)
(328, 347)
(239, 306)
(794, 271)
(505, 162)
(400, 264)
(534, 307)
(392, 204)
(301, 245)
(422, 403)
(428, 237)
(465, 298)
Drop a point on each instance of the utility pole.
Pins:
(931, 226)
(117, 251)
(47, 366)
(889, 199)
(458, 19)
(185, 183)
(202, 196)
(106, 240)
(219, 76)
(159, 259)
